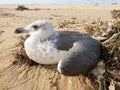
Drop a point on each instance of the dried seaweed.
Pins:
(21, 8)
(111, 47)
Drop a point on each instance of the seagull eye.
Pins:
(35, 27)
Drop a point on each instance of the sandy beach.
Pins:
(15, 78)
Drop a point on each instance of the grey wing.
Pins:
(66, 39)
(81, 58)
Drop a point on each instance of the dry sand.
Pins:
(15, 77)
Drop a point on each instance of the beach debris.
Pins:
(99, 28)
(66, 23)
(71, 24)
(98, 73)
(22, 7)
(110, 30)
(115, 14)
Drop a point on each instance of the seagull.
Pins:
(74, 52)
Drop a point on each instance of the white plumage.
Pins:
(38, 47)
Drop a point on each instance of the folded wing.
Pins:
(81, 58)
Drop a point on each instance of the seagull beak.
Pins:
(20, 30)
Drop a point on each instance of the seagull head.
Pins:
(39, 29)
